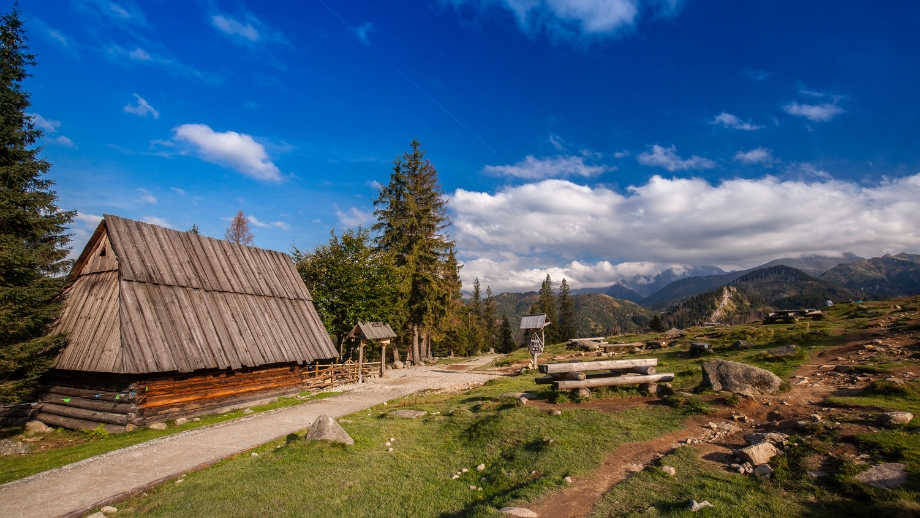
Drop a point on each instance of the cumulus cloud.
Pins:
(666, 157)
(154, 220)
(731, 121)
(142, 108)
(146, 197)
(63, 141)
(46, 125)
(532, 168)
(274, 224)
(760, 155)
(814, 112)
(576, 19)
(229, 149)
(354, 217)
(519, 233)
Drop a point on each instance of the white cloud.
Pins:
(140, 56)
(760, 155)
(363, 32)
(814, 112)
(146, 197)
(64, 141)
(374, 184)
(44, 124)
(572, 19)
(280, 224)
(556, 141)
(230, 149)
(153, 220)
(667, 158)
(519, 233)
(142, 108)
(621, 154)
(178, 191)
(233, 27)
(731, 121)
(532, 168)
(273, 224)
(354, 217)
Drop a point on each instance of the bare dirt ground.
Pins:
(75, 489)
(777, 413)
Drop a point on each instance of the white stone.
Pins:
(33, 427)
(669, 470)
(696, 506)
(109, 509)
(481, 467)
(253, 454)
(157, 426)
(758, 454)
(522, 512)
(181, 421)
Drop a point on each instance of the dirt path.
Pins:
(780, 412)
(75, 489)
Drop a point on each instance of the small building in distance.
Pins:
(165, 324)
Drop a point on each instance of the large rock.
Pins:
(758, 454)
(786, 350)
(895, 418)
(884, 476)
(326, 429)
(739, 378)
(10, 447)
(33, 427)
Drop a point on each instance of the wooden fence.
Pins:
(327, 376)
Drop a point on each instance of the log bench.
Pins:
(583, 376)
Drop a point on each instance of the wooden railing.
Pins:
(323, 376)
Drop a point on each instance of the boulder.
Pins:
(407, 414)
(786, 350)
(741, 344)
(698, 348)
(758, 454)
(775, 439)
(11, 447)
(884, 476)
(33, 427)
(895, 418)
(157, 426)
(398, 364)
(764, 471)
(326, 429)
(739, 378)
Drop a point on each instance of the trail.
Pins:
(76, 489)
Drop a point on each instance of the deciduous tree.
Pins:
(33, 240)
(238, 230)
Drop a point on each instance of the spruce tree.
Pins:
(489, 319)
(474, 318)
(33, 239)
(567, 325)
(506, 336)
(411, 213)
(547, 304)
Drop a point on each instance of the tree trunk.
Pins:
(395, 354)
(426, 346)
(416, 356)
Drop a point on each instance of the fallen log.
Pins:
(80, 424)
(611, 381)
(89, 404)
(553, 368)
(576, 376)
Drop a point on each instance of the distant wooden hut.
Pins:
(165, 324)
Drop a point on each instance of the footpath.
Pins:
(76, 489)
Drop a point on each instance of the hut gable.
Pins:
(145, 299)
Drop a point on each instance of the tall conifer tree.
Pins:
(567, 326)
(490, 319)
(33, 240)
(547, 304)
(411, 213)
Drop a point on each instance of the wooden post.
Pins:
(361, 362)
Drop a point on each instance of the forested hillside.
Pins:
(596, 314)
(753, 295)
(879, 277)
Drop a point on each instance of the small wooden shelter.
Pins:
(377, 331)
(535, 324)
(165, 324)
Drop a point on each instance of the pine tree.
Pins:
(411, 213)
(33, 241)
(567, 327)
(506, 336)
(656, 325)
(474, 318)
(238, 230)
(489, 319)
(547, 304)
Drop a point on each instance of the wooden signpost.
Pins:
(534, 324)
(377, 331)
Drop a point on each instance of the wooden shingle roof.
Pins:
(148, 299)
(372, 331)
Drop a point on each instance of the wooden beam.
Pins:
(552, 368)
(612, 381)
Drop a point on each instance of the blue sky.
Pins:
(587, 139)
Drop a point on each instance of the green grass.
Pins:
(885, 395)
(526, 453)
(14, 467)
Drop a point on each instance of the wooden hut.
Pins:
(165, 324)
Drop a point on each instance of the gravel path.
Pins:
(75, 489)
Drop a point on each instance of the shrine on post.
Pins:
(379, 332)
(534, 325)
